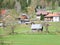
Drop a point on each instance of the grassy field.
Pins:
(51, 38)
(33, 39)
(54, 26)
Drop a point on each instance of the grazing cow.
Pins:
(37, 27)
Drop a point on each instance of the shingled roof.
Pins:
(52, 15)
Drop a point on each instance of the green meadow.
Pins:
(23, 38)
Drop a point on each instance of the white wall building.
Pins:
(53, 17)
(56, 18)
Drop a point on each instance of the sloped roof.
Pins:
(58, 13)
(42, 12)
(52, 15)
(3, 11)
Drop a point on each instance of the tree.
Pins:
(23, 5)
(42, 3)
(42, 17)
(53, 4)
(59, 2)
(10, 23)
(8, 4)
(46, 27)
(31, 8)
(56, 4)
(17, 6)
(1, 1)
(28, 2)
(1, 36)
